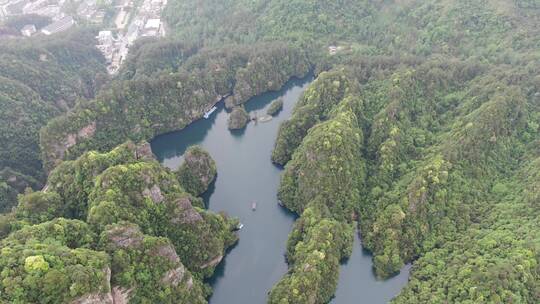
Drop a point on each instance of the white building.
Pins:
(105, 37)
(106, 44)
(33, 7)
(153, 24)
(152, 27)
(28, 30)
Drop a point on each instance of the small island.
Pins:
(275, 107)
(197, 171)
(238, 118)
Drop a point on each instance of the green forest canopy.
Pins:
(39, 79)
(433, 108)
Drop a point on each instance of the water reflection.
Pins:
(246, 175)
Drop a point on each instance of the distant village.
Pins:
(122, 21)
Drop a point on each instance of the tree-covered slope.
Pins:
(323, 183)
(240, 21)
(421, 129)
(111, 227)
(449, 149)
(496, 30)
(39, 79)
(151, 103)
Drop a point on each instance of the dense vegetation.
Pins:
(149, 104)
(241, 21)
(441, 149)
(323, 183)
(421, 129)
(113, 225)
(275, 107)
(315, 248)
(314, 106)
(39, 79)
(499, 30)
(238, 118)
(197, 171)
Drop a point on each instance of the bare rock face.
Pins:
(154, 193)
(186, 214)
(167, 251)
(59, 149)
(189, 283)
(120, 295)
(230, 102)
(98, 297)
(174, 276)
(87, 131)
(128, 236)
(143, 151)
(213, 262)
(156, 250)
(95, 298)
(84, 133)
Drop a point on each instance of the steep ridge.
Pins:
(431, 139)
(39, 79)
(132, 235)
(148, 105)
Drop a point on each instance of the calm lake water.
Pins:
(246, 175)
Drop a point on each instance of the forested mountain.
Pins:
(153, 100)
(39, 78)
(421, 131)
(441, 159)
(433, 121)
(486, 28)
(111, 227)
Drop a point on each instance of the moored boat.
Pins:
(209, 112)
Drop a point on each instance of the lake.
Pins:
(246, 175)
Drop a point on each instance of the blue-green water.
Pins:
(246, 175)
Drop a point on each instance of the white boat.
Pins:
(209, 112)
(240, 226)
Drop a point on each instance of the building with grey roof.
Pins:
(58, 26)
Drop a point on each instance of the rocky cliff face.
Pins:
(151, 241)
(144, 253)
(96, 297)
(150, 196)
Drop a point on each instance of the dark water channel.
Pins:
(246, 175)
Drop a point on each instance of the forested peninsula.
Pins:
(420, 132)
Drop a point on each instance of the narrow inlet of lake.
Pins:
(246, 175)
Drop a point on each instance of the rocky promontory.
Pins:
(238, 118)
(197, 171)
